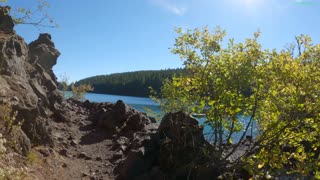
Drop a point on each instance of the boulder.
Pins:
(136, 141)
(107, 119)
(20, 141)
(43, 52)
(35, 126)
(183, 147)
(133, 165)
(118, 117)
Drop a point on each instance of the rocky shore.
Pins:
(70, 139)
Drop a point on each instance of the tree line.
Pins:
(130, 83)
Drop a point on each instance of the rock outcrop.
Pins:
(134, 135)
(145, 150)
(184, 143)
(27, 82)
(6, 22)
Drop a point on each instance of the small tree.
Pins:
(65, 85)
(79, 91)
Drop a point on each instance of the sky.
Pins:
(101, 37)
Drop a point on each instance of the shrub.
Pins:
(3, 141)
(32, 157)
(277, 90)
(7, 119)
(7, 126)
(78, 92)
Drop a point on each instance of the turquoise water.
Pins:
(138, 103)
(141, 104)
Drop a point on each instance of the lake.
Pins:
(141, 104)
(138, 103)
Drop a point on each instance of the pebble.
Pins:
(84, 156)
(64, 165)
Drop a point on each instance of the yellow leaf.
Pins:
(260, 166)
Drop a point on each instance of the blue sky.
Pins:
(110, 36)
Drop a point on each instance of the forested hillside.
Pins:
(130, 83)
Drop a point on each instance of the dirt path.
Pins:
(80, 151)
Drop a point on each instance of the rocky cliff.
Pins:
(27, 82)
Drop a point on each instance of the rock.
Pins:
(123, 110)
(43, 52)
(39, 91)
(107, 119)
(74, 143)
(63, 152)
(116, 156)
(135, 137)
(135, 122)
(120, 143)
(171, 151)
(172, 125)
(84, 155)
(154, 174)
(133, 165)
(85, 174)
(182, 139)
(6, 22)
(87, 104)
(37, 129)
(208, 173)
(13, 53)
(153, 120)
(22, 143)
(92, 177)
(64, 165)
(70, 137)
(98, 159)
(28, 83)
(44, 151)
(139, 154)
(60, 116)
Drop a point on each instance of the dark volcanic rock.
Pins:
(182, 139)
(43, 52)
(175, 150)
(136, 141)
(6, 22)
(118, 117)
(23, 144)
(27, 82)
